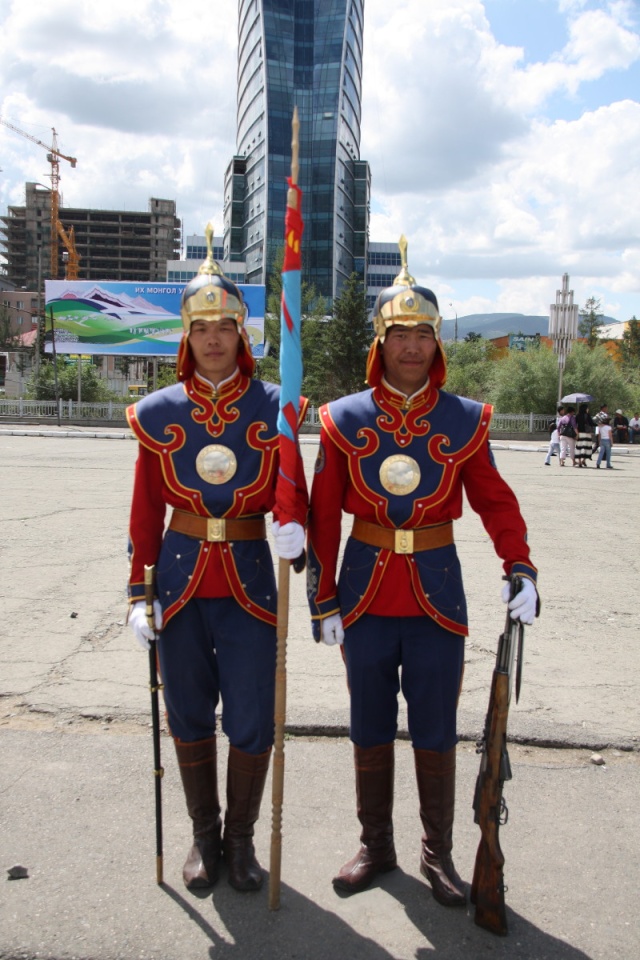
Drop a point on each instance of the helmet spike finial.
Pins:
(210, 266)
(210, 295)
(406, 302)
(404, 278)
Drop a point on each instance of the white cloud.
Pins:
(468, 158)
(139, 93)
(491, 187)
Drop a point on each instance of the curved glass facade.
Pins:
(306, 53)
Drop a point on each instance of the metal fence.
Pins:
(110, 412)
(64, 410)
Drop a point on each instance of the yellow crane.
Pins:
(53, 156)
(73, 257)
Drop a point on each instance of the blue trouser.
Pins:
(385, 654)
(604, 451)
(212, 649)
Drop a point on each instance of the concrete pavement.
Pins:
(76, 785)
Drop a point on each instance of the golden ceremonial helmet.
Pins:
(210, 295)
(406, 302)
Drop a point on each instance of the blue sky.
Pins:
(503, 136)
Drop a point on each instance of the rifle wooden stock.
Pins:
(487, 889)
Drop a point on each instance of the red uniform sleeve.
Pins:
(146, 524)
(497, 505)
(325, 520)
(301, 496)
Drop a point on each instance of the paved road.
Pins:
(75, 782)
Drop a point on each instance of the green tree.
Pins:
(596, 372)
(591, 322)
(470, 367)
(43, 386)
(9, 339)
(630, 346)
(347, 339)
(166, 376)
(312, 331)
(525, 381)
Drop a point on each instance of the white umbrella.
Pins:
(578, 398)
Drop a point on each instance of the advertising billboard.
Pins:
(113, 318)
(523, 341)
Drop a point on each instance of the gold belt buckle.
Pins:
(403, 541)
(216, 529)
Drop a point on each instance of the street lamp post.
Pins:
(55, 361)
(455, 325)
(563, 326)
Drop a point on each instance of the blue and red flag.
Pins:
(290, 355)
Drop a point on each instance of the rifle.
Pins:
(491, 812)
(154, 686)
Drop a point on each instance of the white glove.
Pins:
(332, 630)
(524, 604)
(289, 540)
(138, 622)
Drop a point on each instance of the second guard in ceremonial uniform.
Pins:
(398, 457)
(208, 450)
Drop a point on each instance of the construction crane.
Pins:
(53, 156)
(70, 255)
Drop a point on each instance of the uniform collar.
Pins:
(422, 397)
(206, 388)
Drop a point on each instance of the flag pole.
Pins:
(277, 792)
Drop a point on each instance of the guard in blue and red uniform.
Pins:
(208, 450)
(398, 457)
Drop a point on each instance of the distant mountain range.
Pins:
(492, 325)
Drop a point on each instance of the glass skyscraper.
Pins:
(306, 53)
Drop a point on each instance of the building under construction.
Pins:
(110, 244)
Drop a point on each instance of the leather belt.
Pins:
(216, 529)
(403, 541)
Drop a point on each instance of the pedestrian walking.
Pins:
(398, 457)
(568, 432)
(604, 432)
(584, 441)
(554, 441)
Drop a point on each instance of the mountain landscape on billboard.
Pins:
(132, 319)
(116, 305)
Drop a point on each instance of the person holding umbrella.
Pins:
(584, 442)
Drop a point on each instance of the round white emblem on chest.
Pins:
(216, 464)
(400, 474)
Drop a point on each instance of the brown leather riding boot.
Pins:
(374, 795)
(246, 775)
(436, 775)
(197, 764)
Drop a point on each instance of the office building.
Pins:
(383, 266)
(112, 244)
(304, 53)
(181, 271)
